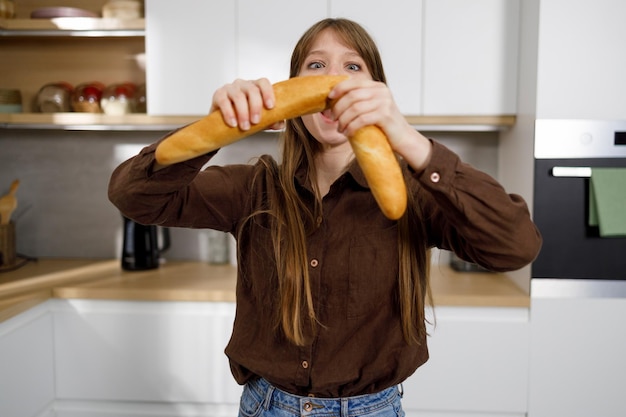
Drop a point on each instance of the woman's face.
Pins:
(329, 56)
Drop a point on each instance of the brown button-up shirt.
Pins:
(358, 347)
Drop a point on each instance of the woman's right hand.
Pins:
(242, 101)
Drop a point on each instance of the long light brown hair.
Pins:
(291, 216)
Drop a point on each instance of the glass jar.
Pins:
(86, 97)
(54, 97)
(118, 99)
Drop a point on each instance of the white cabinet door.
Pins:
(144, 351)
(581, 60)
(26, 363)
(397, 30)
(578, 357)
(470, 57)
(190, 52)
(478, 364)
(268, 32)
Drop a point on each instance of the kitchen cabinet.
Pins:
(397, 31)
(268, 31)
(190, 52)
(185, 53)
(470, 57)
(460, 67)
(27, 364)
(581, 63)
(116, 358)
(136, 353)
(478, 364)
(577, 353)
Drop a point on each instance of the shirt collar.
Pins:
(354, 171)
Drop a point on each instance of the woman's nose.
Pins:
(333, 69)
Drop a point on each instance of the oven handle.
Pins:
(571, 172)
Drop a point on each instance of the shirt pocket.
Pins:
(373, 272)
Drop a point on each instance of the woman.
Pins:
(330, 293)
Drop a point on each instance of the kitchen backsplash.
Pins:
(63, 207)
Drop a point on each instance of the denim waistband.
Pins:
(360, 405)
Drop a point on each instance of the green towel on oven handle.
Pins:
(607, 201)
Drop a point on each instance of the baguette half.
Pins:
(381, 169)
(296, 97)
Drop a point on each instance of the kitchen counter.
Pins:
(199, 281)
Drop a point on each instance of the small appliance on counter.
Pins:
(460, 265)
(141, 249)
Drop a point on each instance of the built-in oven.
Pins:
(575, 257)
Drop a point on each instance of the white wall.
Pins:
(63, 206)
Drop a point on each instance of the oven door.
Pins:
(572, 249)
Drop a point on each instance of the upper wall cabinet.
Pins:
(397, 30)
(441, 57)
(470, 57)
(191, 51)
(581, 61)
(267, 32)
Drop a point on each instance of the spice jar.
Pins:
(86, 97)
(118, 99)
(54, 97)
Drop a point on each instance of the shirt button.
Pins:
(307, 406)
(314, 263)
(305, 364)
(435, 177)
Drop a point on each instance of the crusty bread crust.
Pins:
(382, 171)
(296, 97)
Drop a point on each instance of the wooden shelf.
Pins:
(72, 26)
(89, 121)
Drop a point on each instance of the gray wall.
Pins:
(63, 208)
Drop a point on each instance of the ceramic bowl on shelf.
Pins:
(54, 97)
(10, 100)
(52, 12)
(86, 97)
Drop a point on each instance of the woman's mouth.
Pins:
(328, 116)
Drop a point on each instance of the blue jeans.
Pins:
(261, 399)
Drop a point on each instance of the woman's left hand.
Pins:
(359, 103)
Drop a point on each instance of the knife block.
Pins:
(7, 245)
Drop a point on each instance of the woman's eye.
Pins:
(315, 65)
(354, 67)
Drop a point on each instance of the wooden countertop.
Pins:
(199, 281)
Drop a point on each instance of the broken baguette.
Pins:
(296, 97)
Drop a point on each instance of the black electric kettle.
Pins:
(140, 250)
